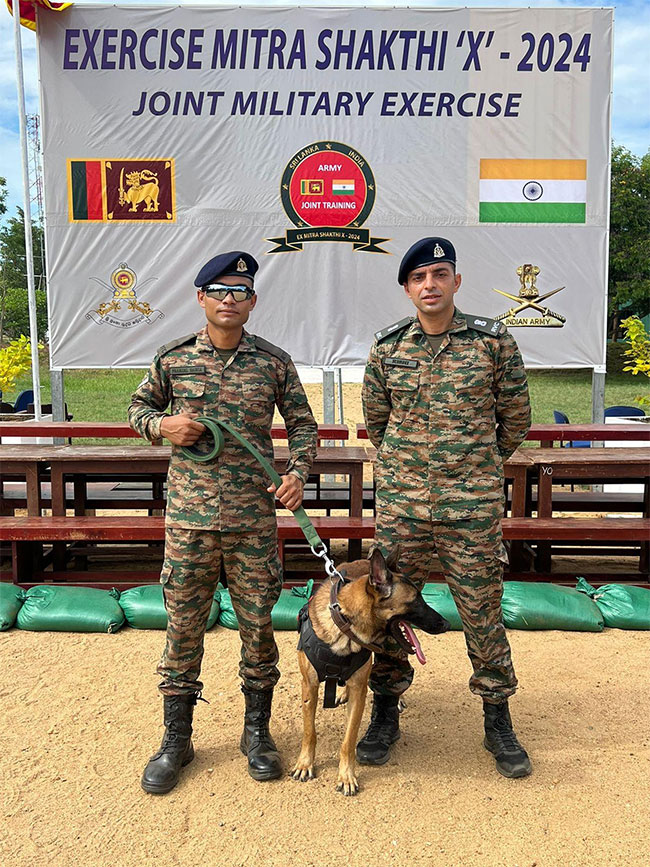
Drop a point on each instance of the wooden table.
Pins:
(26, 462)
(587, 466)
(121, 430)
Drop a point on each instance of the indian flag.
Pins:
(342, 188)
(533, 191)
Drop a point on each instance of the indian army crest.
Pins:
(327, 191)
(123, 309)
(529, 297)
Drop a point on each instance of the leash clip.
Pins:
(330, 568)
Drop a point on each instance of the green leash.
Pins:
(215, 428)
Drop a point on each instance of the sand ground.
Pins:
(80, 716)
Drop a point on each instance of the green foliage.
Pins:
(13, 257)
(15, 359)
(629, 239)
(3, 196)
(639, 351)
(15, 313)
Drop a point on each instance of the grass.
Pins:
(103, 395)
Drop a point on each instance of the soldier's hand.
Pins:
(181, 429)
(290, 491)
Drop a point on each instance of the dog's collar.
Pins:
(343, 622)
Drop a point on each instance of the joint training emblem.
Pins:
(328, 192)
(121, 191)
(123, 310)
(529, 297)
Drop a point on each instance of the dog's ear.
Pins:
(393, 557)
(380, 578)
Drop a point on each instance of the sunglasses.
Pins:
(220, 292)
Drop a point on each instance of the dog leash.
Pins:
(216, 429)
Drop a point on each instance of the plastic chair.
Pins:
(562, 418)
(23, 400)
(622, 411)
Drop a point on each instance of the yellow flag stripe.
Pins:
(574, 170)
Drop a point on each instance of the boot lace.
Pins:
(506, 737)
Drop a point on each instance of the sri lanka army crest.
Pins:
(123, 309)
(121, 191)
(328, 192)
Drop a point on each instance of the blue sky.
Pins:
(631, 106)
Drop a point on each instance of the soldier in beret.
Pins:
(445, 401)
(221, 513)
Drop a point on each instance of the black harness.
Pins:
(330, 667)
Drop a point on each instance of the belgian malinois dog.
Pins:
(377, 602)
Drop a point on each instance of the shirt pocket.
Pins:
(403, 387)
(188, 393)
(258, 403)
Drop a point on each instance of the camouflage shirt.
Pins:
(229, 492)
(444, 422)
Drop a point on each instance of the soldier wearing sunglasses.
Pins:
(221, 514)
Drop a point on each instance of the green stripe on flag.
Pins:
(342, 192)
(79, 191)
(532, 212)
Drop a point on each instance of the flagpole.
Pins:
(29, 252)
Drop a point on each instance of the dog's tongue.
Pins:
(412, 637)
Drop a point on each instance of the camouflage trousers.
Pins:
(193, 560)
(472, 555)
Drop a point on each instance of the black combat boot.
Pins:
(512, 759)
(256, 741)
(374, 746)
(176, 751)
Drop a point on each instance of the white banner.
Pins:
(324, 142)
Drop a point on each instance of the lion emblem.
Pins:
(142, 187)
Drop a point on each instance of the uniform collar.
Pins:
(204, 344)
(458, 323)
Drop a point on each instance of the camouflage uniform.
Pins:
(220, 511)
(443, 425)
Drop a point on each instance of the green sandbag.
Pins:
(549, 606)
(11, 598)
(70, 609)
(622, 606)
(439, 596)
(284, 615)
(144, 607)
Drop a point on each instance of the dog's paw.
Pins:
(347, 784)
(303, 772)
(343, 698)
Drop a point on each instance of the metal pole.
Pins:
(29, 252)
(339, 385)
(598, 375)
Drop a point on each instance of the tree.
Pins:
(629, 239)
(3, 196)
(14, 319)
(13, 257)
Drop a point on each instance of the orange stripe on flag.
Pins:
(568, 170)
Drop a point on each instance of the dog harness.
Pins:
(330, 667)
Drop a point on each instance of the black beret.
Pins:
(235, 263)
(428, 251)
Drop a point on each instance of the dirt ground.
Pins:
(80, 716)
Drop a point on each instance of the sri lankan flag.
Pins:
(86, 191)
(533, 191)
(28, 12)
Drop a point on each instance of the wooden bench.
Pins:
(27, 535)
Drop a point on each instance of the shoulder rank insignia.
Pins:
(485, 325)
(391, 329)
(409, 363)
(174, 343)
(272, 349)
